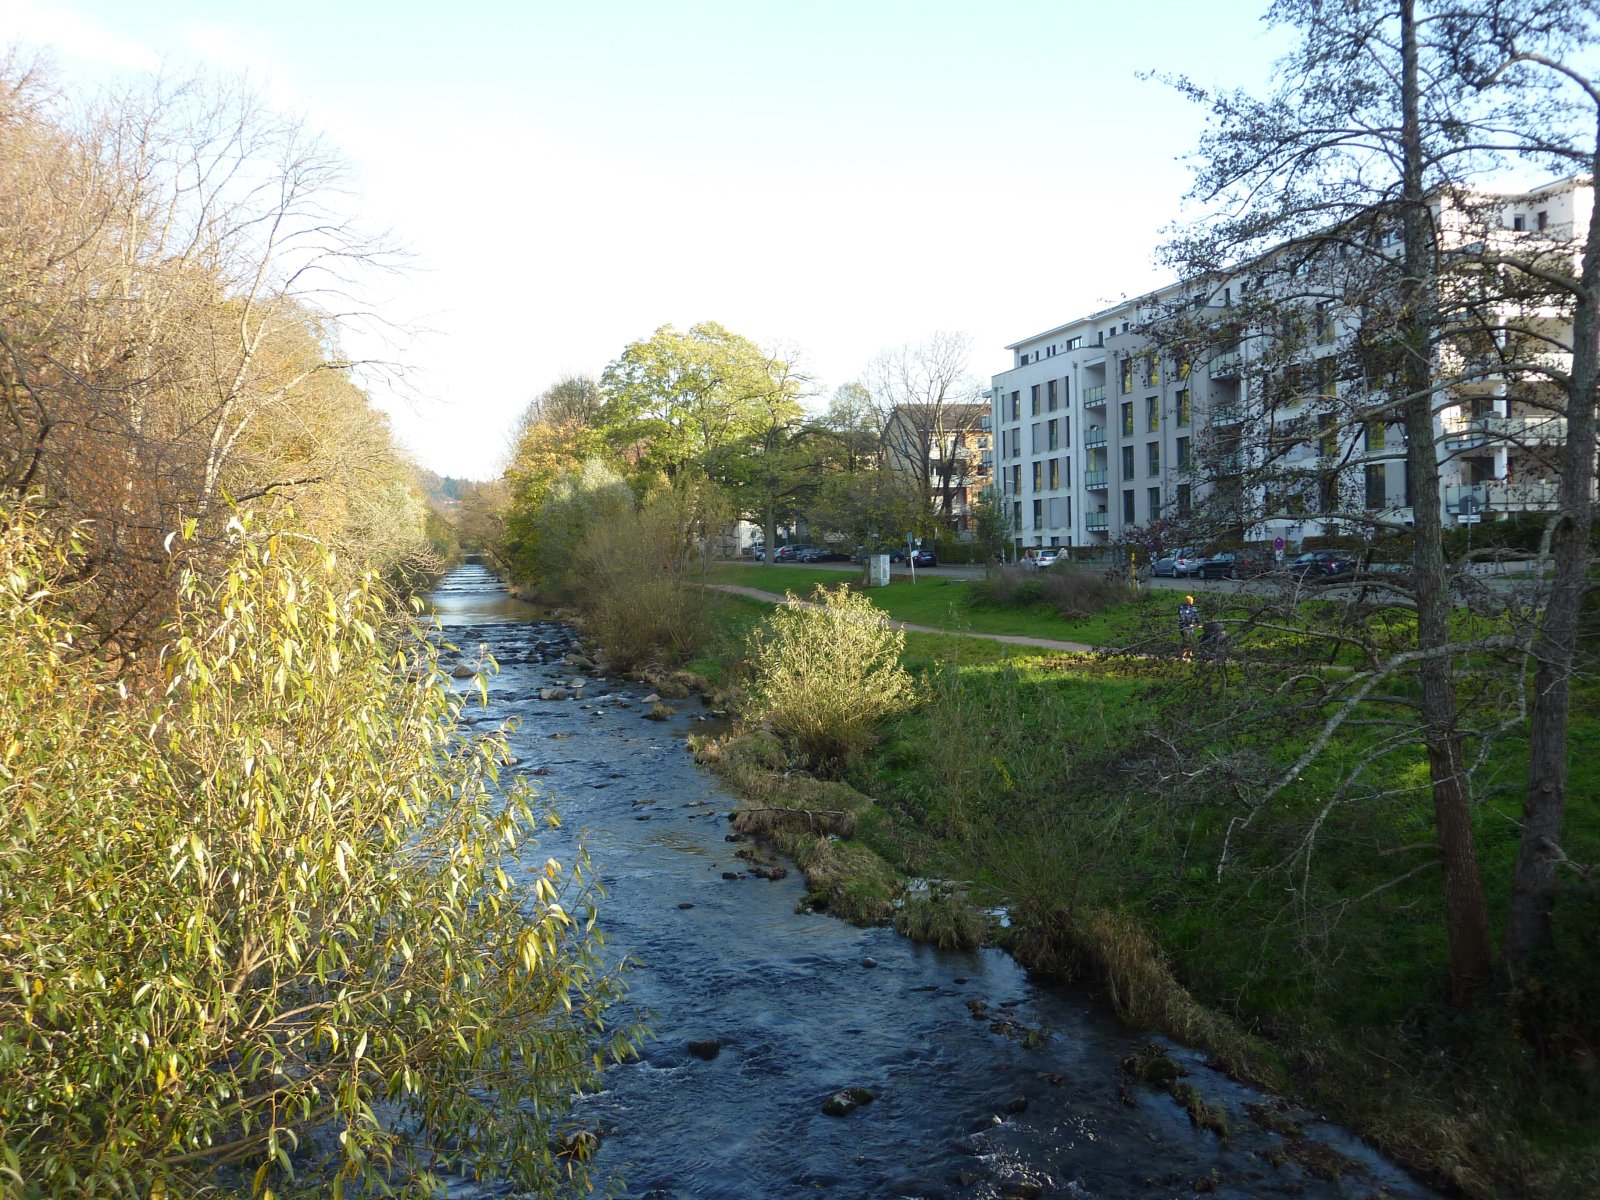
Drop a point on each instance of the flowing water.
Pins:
(966, 1103)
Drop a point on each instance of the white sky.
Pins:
(835, 176)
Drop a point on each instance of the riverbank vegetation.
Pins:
(266, 927)
(1110, 806)
(268, 924)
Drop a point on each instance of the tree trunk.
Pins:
(1466, 915)
(1533, 885)
(769, 531)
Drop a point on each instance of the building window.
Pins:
(1518, 224)
(1050, 395)
(1377, 487)
(1055, 472)
(1033, 400)
(1127, 507)
(1152, 370)
(1155, 503)
(1016, 406)
(1038, 514)
(1038, 476)
(1152, 414)
(1184, 503)
(1074, 343)
(1127, 462)
(1542, 219)
(1183, 454)
(1016, 479)
(1038, 437)
(1054, 437)
(1377, 436)
(1152, 455)
(1127, 418)
(1066, 433)
(1183, 408)
(1127, 376)
(1016, 514)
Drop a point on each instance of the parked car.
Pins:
(1320, 564)
(1179, 564)
(1046, 556)
(1235, 564)
(816, 554)
(924, 558)
(896, 555)
(789, 553)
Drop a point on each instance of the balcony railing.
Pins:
(1094, 397)
(1227, 414)
(1097, 522)
(1097, 479)
(1536, 496)
(1094, 436)
(1524, 431)
(1226, 366)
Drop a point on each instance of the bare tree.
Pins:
(172, 281)
(929, 408)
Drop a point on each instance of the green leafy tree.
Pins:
(270, 925)
(580, 499)
(676, 399)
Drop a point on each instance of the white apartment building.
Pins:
(1099, 431)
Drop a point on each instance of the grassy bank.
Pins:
(945, 603)
(1108, 806)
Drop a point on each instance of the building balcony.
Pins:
(1097, 479)
(1522, 431)
(1097, 522)
(1226, 365)
(1094, 397)
(1227, 414)
(1094, 436)
(1497, 497)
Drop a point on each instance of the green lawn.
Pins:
(936, 601)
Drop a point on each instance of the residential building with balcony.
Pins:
(946, 449)
(1261, 394)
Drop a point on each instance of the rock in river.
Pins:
(843, 1103)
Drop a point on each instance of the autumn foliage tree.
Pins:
(172, 281)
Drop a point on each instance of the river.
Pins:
(804, 1005)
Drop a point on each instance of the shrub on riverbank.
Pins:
(824, 674)
(249, 904)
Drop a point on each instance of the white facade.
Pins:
(1096, 432)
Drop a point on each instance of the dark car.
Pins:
(1321, 564)
(817, 554)
(924, 558)
(789, 553)
(1235, 564)
(1177, 563)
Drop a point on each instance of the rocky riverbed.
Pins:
(794, 1055)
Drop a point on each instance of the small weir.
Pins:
(984, 1085)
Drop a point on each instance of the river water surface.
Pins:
(804, 1005)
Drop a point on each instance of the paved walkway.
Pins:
(1008, 638)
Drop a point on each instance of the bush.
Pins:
(249, 905)
(826, 673)
(633, 594)
(1068, 590)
